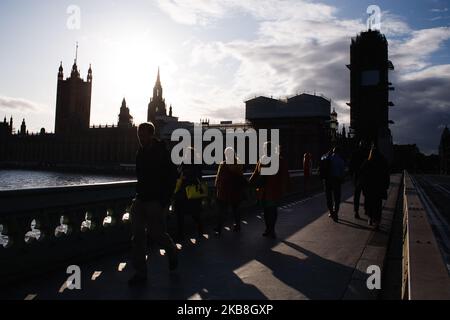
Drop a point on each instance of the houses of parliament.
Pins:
(305, 123)
(74, 142)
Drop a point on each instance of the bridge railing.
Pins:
(424, 273)
(44, 228)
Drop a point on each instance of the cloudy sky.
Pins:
(214, 54)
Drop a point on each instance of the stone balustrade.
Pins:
(45, 228)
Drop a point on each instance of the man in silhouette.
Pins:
(358, 157)
(375, 180)
(156, 177)
(307, 171)
(332, 171)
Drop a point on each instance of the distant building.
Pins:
(303, 120)
(125, 118)
(444, 152)
(157, 105)
(369, 90)
(334, 125)
(6, 128)
(6, 131)
(73, 101)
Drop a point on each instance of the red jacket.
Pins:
(230, 182)
(271, 188)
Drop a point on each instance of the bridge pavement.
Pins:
(313, 258)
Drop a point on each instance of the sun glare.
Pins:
(129, 67)
(135, 67)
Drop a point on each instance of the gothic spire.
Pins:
(158, 79)
(60, 72)
(89, 76)
(76, 53)
(75, 73)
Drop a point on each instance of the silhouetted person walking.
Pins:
(307, 171)
(189, 174)
(358, 157)
(375, 181)
(332, 171)
(156, 176)
(270, 189)
(230, 184)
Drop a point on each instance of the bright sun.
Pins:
(135, 67)
(127, 69)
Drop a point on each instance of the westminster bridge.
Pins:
(46, 230)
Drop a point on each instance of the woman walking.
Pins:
(189, 174)
(230, 184)
(270, 189)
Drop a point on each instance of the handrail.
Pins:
(16, 201)
(425, 276)
(42, 228)
(27, 191)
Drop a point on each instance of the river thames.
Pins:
(26, 179)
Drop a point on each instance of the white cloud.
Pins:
(413, 53)
(211, 53)
(18, 104)
(422, 106)
(304, 46)
(439, 18)
(394, 25)
(189, 12)
(439, 10)
(431, 72)
(204, 12)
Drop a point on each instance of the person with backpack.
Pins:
(332, 171)
(189, 174)
(230, 184)
(156, 178)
